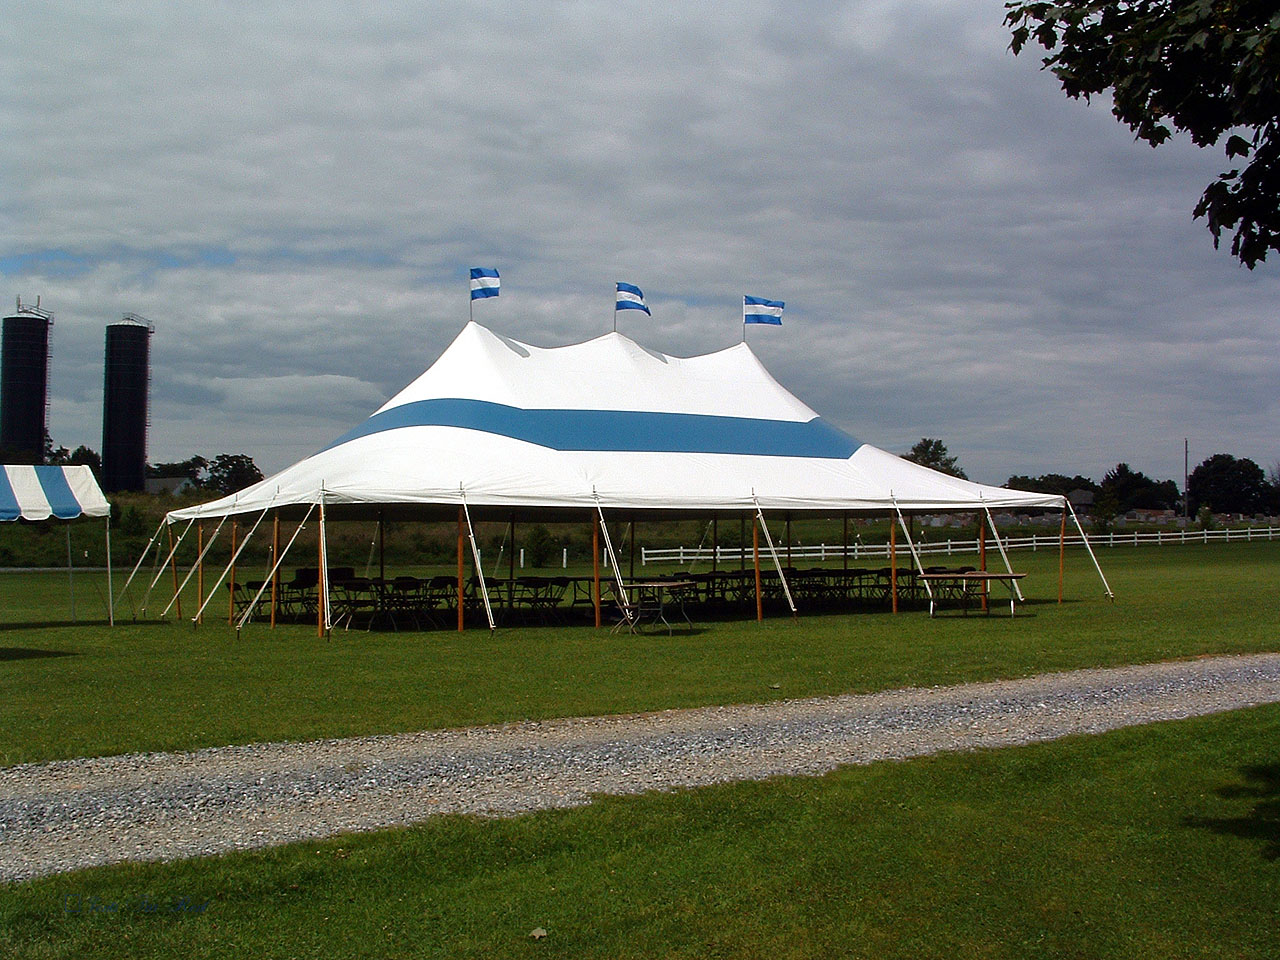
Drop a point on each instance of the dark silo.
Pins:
(124, 404)
(24, 383)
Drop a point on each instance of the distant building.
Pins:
(170, 486)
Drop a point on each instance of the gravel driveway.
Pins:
(160, 806)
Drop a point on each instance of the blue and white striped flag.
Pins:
(484, 282)
(630, 298)
(760, 310)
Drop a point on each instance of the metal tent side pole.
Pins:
(275, 570)
(475, 556)
(1003, 555)
(755, 558)
(915, 555)
(169, 559)
(232, 565)
(325, 611)
(1083, 536)
(613, 560)
(198, 564)
(137, 566)
(71, 582)
(773, 552)
(1062, 554)
(111, 608)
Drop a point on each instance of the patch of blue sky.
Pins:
(49, 263)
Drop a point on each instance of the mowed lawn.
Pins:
(76, 690)
(1152, 842)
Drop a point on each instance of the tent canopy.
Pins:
(39, 493)
(509, 427)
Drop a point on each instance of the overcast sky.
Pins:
(292, 194)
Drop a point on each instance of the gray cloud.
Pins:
(293, 192)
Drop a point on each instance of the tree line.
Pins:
(1221, 483)
(225, 473)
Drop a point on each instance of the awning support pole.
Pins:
(1004, 556)
(774, 553)
(462, 582)
(138, 566)
(200, 567)
(190, 573)
(755, 557)
(1087, 546)
(274, 577)
(595, 570)
(475, 555)
(231, 593)
(71, 583)
(613, 560)
(915, 555)
(323, 612)
(982, 562)
(111, 604)
(1062, 554)
(169, 560)
(275, 569)
(893, 566)
(230, 567)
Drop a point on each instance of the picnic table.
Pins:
(960, 584)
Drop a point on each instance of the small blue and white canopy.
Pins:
(41, 493)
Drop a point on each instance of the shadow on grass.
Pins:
(45, 624)
(1262, 823)
(27, 653)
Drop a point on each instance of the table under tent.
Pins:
(603, 431)
(38, 494)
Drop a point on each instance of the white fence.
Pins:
(858, 551)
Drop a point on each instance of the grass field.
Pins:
(1153, 842)
(77, 690)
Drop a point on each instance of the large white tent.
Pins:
(495, 423)
(500, 429)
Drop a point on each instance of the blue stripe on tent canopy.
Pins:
(62, 501)
(9, 509)
(619, 430)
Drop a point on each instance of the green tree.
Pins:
(1209, 68)
(1227, 485)
(193, 469)
(229, 472)
(1056, 483)
(1132, 489)
(933, 454)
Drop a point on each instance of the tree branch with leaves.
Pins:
(1208, 68)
